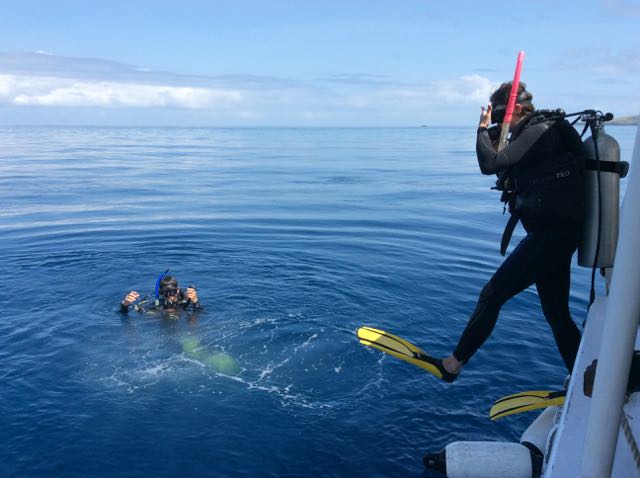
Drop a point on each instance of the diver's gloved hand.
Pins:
(192, 295)
(130, 298)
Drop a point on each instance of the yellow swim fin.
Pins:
(404, 350)
(525, 401)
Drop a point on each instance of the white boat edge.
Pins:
(596, 437)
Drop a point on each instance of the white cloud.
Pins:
(465, 90)
(25, 90)
(471, 89)
(50, 82)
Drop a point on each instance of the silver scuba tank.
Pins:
(602, 199)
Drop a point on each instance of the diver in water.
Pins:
(168, 296)
(168, 301)
(540, 174)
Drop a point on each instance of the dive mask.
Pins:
(497, 113)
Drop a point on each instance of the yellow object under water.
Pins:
(220, 362)
(397, 347)
(526, 401)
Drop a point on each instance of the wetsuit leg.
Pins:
(541, 258)
(517, 272)
(553, 290)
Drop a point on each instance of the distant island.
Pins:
(630, 120)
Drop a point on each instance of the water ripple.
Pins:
(291, 248)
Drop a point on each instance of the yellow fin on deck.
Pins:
(525, 401)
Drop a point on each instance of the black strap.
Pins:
(618, 167)
(508, 232)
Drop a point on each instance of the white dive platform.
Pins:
(597, 437)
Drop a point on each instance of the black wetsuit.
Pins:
(543, 257)
(182, 303)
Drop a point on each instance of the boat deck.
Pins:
(565, 457)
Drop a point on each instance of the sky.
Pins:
(303, 63)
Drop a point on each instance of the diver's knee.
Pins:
(488, 292)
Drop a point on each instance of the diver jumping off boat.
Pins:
(541, 174)
(541, 177)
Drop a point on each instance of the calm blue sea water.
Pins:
(294, 238)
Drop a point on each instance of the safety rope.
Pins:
(631, 441)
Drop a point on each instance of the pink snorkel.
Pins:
(512, 103)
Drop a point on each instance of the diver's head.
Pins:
(500, 98)
(169, 289)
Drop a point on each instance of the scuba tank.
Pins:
(603, 171)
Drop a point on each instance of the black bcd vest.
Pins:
(549, 189)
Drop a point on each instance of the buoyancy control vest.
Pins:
(546, 190)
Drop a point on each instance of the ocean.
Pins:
(293, 238)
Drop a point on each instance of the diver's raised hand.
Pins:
(130, 298)
(485, 117)
(191, 294)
